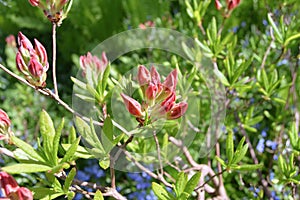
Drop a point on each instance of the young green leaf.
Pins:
(27, 148)
(180, 183)
(108, 128)
(98, 195)
(69, 179)
(71, 151)
(48, 133)
(25, 168)
(77, 82)
(56, 140)
(160, 192)
(105, 78)
(229, 147)
(192, 183)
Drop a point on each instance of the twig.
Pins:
(107, 191)
(145, 169)
(54, 58)
(268, 49)
(158, 153)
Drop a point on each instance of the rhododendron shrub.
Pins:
(214, 116)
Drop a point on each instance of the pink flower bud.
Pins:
(4, 119)
(8, 183)
(22, 67)
(150, 93)
(24, 194)
(231, 4)
(143, 75)
(24, 42)
(35, 68)
(94, 63)
(132, 105)
(34, 2)
(11, 41)
(41, 52)
(218, 4)
(177, 110)
(171, 81)
(155, 77)
(168, 103)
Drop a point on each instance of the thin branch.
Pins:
(158, 153)
(268, 49)
(54, 58)
(107, 191)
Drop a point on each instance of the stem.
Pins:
(54, 58)
(158, 153)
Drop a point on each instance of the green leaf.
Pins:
(160, 192)
(69, 179)
(98, 195)
(105, 78)
(108, 128)
(221, 77)
(72, 135)
(214, 29)
(192, 183)
(248, 167)
(40, 193)
(221, 161)
(85, 98)
(59, 167)
(27, 148)
(88, 134)
(104, 164)
(180, 183)
(278, 35)
(281, 164)
(56, 140)
(229, 147)
(239, 155)
(48, 133)
(71, 151)
(77, 82)
(81, 152)
(25, 168)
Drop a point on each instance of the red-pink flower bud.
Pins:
(171, 81)
(218, 4)
(143, 75)
(177, 110)
(93, 63)
(11, 41)
(231, 4)
(24, 194)
(150, 93)
(168, 103)
(132, 105)
(4, 119)
(35, 68)
(22, 67)
(8, 183)
(41, 52)
(155, 77)
(34, 2)
(24, 42)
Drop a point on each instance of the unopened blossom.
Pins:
(159, 98)
(11, 41)
(94, 64)
(11, 188)
(4, 123)
(147, 24)
(53, 10)
(31, 61)
(231, 4)
(218, 4)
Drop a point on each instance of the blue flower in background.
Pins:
(264, 133)
(261, 145)
(271, 144)
(81, 175)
